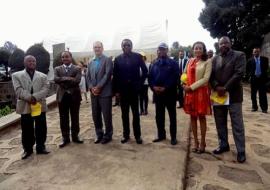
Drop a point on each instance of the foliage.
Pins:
(5, 111)
(244, 21)
(42, 57)
(176, 47)
(15, 61)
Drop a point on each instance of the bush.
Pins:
(42, 56)
(5, 111)
(15, 61)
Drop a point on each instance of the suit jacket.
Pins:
(251, 68)
(126, 75)
(203, 73)
(182, 66)
(102, 78)
(23, 84)
(227, 71)
(68, 86)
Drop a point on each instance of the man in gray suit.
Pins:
(99, 76)
(31, 87)
(227, 72)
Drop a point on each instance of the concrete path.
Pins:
(96, 167)
(210, 172)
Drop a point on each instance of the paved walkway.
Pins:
(89, 166)
(131, 166)
(210, 172)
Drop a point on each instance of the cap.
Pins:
(163, 45)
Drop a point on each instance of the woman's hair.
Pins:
(204, 55)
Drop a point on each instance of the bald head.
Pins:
(224, 44)
(30, 63)
(98, 48)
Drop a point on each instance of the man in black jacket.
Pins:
(257, 68)
(127, 83)
(227, 72)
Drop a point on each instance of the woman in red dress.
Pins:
(197, 93)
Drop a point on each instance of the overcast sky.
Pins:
(25, 22)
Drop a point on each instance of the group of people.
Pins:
(125, 78)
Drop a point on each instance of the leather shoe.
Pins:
(220, 150)
(64, 143)
(105, 140)
(139, 140)
(124, 140)
(158, 139)
(241, 157)
(98, 140)
(44, 151)
(253, 110)
(173, 142)
(77, 140)
(26, 154)
(264, 111)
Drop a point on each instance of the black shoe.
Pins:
(241, 157)
(139, 140)
(98, 140)
(220, 150)
(106, 140)
(115, 105)
(173, 142)
(158, 139)
(124, 140)
(26, 154)
(44, 151)
(253, 109)
(179, 107)
(264, 111)
(77, 140)
(64, 143)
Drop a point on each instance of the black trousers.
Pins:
(130, 99)
(259, 84)
(34, 129)
(180, 95)
(68, 107)
(165, 101)
(144, 98)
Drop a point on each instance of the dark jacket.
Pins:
(227, 71)
(251, 68)
(126, 73)
(67, 86)
(164, 73)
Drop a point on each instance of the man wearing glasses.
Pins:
(127, 82)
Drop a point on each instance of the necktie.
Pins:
(258, 67)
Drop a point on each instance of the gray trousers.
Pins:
(102, 106)
(235, 111)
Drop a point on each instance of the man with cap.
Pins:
(127, 83)
(163, 77)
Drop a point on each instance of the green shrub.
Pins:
(42, 56)
(5, 111)
(15, 61)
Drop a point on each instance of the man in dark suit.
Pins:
(99, 76)
(257, 68)
(68, 77)
(227, 71)
(182, 65)
(163, 77)
(127, 84)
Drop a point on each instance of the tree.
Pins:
(4, 56)
(244, 21)
(42, 57)
(15, 61)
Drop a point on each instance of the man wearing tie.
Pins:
(257, 68)
(182, 65)
(68, 77)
